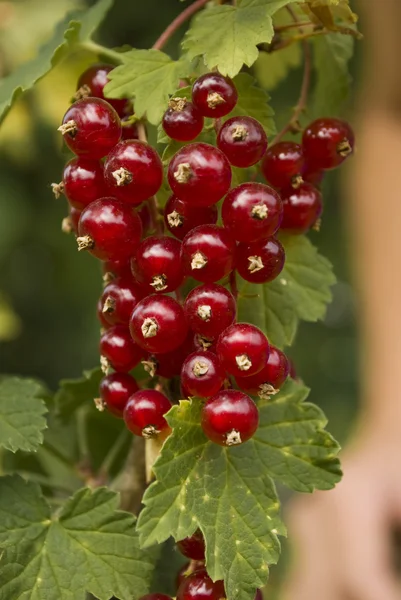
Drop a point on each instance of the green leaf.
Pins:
(253, 102)
(228, 492)
(22, 411)
(271, 69)
(149, 76)
(87, 546)
(76, 27)
(73, 393)
(227, 36)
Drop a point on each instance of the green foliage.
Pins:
(87, 546)
(229, 493)
(73, 393)
(253, 102)
(271, 68)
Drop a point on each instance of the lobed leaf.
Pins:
(73, 393)
(253, 102)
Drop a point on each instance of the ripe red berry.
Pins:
(134, 171)
(210, 309)
(301, 208)
(199, 174)
(118, 350)
(99, 311)
(144, 413)
(169, 364)
(181, 217)
(260, 262)
(119, 299)
(270, 379)
(92, 82)
(156, 264)
(252, 212)
(155, 597)
(115, 391)
(91, 127)
(158, 324)
(202, 374)
(199, 586)
(73, 218)
(83, 182)
(214, 95)
(315, 177)
(187, 570)
(208, 253)
(243, 140)
(327, 143)
(109, 229)
(229, 418)
(193, 547)
(243, 349)
(129, 130)
(282, 165)
(182, 120)
(117, 268)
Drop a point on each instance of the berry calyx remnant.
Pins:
(282, 165)
(229, 418)
(115, 391)
(144, 413)
(214, 95)
(243, 140)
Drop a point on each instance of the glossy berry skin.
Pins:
(202, 374)
(129, 131)
(214, 95)
(144, 413)
(155, 597)
(301, 208)
(74, 215)
(243, 349)
(229, 418)
(315, 177)
(92, 82)
(100, 315)
(270, 379)
(113, 229)
(208, 253)
(93, 129)
(182, 121)
(199, 174)
(117, 268)
(260, 262)
(115, 391)
(193, 547)
(180, 217)
(117, 346)
(243, 140)
(282, 165)
(252, 211)
(133, 171)
(156, 264)
(169, 364)
(210, 309)
(83, 182)
(158, 324)
(327, 143)
(199, 586)
(119, 299)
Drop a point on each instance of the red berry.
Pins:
(282, 164)
(243, 349)
(83, 182)
(134, 171)
(252, 212)
(260, 262)
(74, 216)
(270, 379)
(193, 547)
(91, 127)
(117, 268)
(315, 177)
(199, 174)
(144, 413)
(327, 143)
(182, 121)
(243, 140)
(155, 597)
(210, 309)
(109, 229)
(199, 586)
(229, 418)
(181, 218)
(214, 95)
(301, 208)
(119, 299)
(100, 315)
(208, 253)
(157, 264)
(119, 350)
(115, 391)
(187, 570)
(202, 374)
(169, 364)
(202, 343)
(158, 324)
(129, 130)
(92, 82)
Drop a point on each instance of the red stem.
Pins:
(178, 21)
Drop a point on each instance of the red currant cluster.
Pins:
(197, 339)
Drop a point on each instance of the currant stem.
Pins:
(178, 21)
(115, 57)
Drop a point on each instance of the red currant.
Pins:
(301, 208)
(327, 143)
(269, 380)
(199, 586)
(260, 262)
(199, 174)
(243, 349)
(73, 218)
(202, 374)
(115, 390)
(243, 140)
(315, 177)
(119, 299)
(229, 418)
(157, 264)
(214, 95)
(117, 268)
(134, 171)
(158, 324)
(92, 82)
(181, 217)
(144, 413)
(210, 309)
(118, 350)
(169, 364)
(208, 253)
(155, 597)
(91, 128)
(100, 315)
(129, 130)
(252, 212)
(282, 164)
(193, 547)
(182, 121)
(202, 343)
(187, 570)
(109, 229)
(83, 182)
